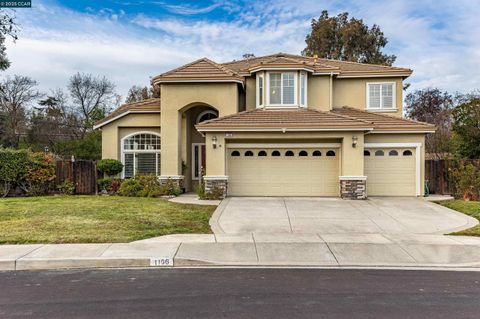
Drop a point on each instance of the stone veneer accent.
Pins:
(216, 181)
(177, 179)
(353, 187)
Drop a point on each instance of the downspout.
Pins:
(331, 91)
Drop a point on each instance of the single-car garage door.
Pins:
(390, 172)
(283, 171)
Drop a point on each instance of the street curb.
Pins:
(215, 219)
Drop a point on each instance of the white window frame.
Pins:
(295, 89)
(381, 108)
(199, 160)
(197, 121)
(123, 152)
(260, 78)
(305, 75)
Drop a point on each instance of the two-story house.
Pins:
(277, 125)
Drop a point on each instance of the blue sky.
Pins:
(129, 41)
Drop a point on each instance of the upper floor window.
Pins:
(381, 96)
(260, 84)
(303, 89)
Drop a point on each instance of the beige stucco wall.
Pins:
(130, 123)
(351, 161)
(353, 92)
(179, 97)
(403, 138)
(319, 92)
(250, 93)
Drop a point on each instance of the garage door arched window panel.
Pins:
(262, 153)
(331, 153)
(303, 153)
(379, 153)
(393, 153)
(366, 153)
(248, 153)
(316, 153)
(235, 153)
(407, 153)
(141, 154)
(289, 153)
(275, 153)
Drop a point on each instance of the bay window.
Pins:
(381, 96)
(281, 89)
(141, 155)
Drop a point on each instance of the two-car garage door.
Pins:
(283, 171)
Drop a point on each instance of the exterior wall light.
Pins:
(214, 141)
(354, 141)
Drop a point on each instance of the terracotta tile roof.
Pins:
(145, 106)
(279, 119)
(382, 121)
(344, 68)
(200, 70)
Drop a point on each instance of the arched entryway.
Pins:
(193, 143)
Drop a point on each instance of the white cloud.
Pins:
(435, 38)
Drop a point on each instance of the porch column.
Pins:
(170, 168)
(353, 182)
(215, 177)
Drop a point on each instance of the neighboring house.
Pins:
(277, 125)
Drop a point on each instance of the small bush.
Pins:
(130, 187)
(109, 185)
(151, 186)
(170, 188)
(467, 181)
(13, 168)
(67, 187)
(110, 167)
(40, 173)
(215, 193)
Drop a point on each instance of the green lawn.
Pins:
(468, 208)
(96, 219)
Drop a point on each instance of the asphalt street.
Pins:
(240, 293)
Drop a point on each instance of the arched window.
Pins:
(275, 153)
(303, 153)
(206, 115)
(330, 153)
(366, 153)
(262, 153)
(393, 153)
(407, 153)
(317, 153)
(289, 153)
(141, 154)
(235, 153)
(248, 153)
(379, 153)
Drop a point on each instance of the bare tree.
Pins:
(8, 28)
(139, 93)
(92, 98)
(16, 95)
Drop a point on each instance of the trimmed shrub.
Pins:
(13, 168)
(67, 187)
(467, 181)
(110, 167)
(40, 173)
(170, 188)
(151, 187)
(130, 187)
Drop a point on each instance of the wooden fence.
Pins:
(82, 173)
(439, 177)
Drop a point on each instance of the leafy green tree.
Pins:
(435, 107)
(8, 28)
(466, 127)
(89, 147)
(341, 38)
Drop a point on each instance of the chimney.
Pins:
(315, 57)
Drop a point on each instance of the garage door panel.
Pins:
(391, 175)
(283, 175)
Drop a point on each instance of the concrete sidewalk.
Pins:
(283, 250)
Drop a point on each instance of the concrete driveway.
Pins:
(239, 215)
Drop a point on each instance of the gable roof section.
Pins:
(383, 122)
(319, 65)
(202, 70)
(146, 106)
(278, 120)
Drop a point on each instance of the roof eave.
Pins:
(281, 129)
(101, 124)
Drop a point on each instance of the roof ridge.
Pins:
(360, 63)
(221, 67)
